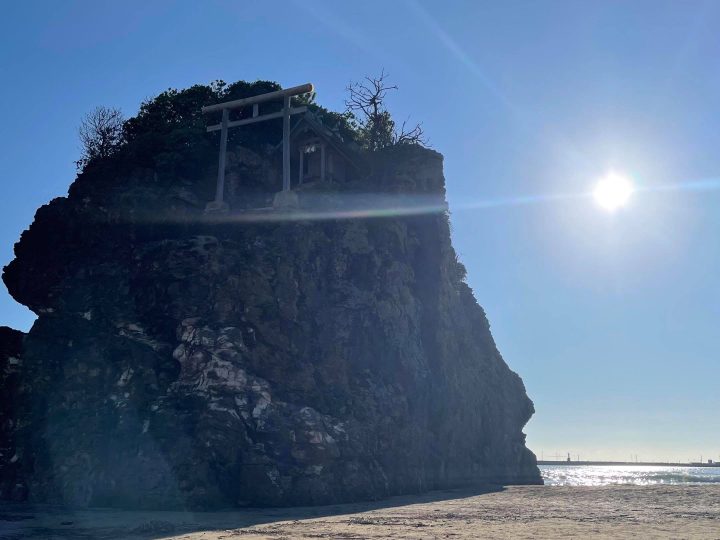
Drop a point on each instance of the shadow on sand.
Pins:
(46, 521)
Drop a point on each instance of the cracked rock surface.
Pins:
(180, 361)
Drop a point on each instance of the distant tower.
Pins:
(568, 459)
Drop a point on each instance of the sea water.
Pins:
(590, 475)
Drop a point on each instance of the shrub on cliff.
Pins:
(169, 132)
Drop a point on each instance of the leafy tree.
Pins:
(168, 133)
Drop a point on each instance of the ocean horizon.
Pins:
(640, 475)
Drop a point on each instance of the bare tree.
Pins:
(366, 99)
(101, 132)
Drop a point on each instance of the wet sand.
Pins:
(512, 512)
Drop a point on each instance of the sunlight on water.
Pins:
(587, 475)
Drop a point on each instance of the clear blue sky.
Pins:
(610, 318)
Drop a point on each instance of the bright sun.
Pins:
(613, 191)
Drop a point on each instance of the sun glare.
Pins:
(613, 191)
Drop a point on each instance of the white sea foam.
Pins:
(588, 475)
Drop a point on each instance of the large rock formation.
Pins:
(269, 358)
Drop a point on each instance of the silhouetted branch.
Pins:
(416, 135)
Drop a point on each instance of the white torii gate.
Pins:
(219, 205)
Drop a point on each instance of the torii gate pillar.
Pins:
(285, 197)
(286, 143)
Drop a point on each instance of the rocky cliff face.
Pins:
(12, 486)
(179, 361)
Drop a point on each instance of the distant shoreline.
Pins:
(626, 463)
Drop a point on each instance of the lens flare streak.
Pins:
(321, 207)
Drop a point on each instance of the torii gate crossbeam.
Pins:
(255, 101)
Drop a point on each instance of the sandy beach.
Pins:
(512, 512)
